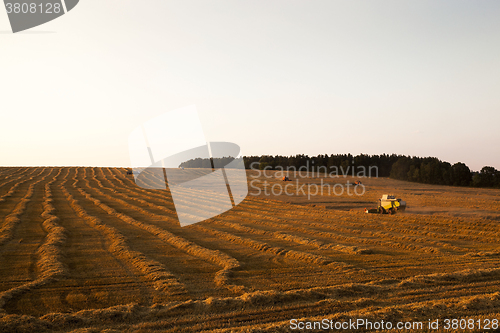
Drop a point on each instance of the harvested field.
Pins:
(86, 250)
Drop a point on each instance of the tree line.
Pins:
(207, 162)
(428, 170)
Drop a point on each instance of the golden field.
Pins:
(87, 250)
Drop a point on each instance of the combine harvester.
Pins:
(388, 205)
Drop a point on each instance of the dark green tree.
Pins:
(460, 175)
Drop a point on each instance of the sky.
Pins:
(418, 78)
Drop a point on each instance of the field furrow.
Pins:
(194, 204)
(223, 260)
(48, 263)
(296, 239)
(161, 279)
(85, 249)
(94, 278)
(226, 262)
(12, 220)
(10, 173)
(17, 183)
(197, 275)
(274, 250)
(331, 230)
(127, 194)
(262, 246)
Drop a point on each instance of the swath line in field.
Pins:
(49, 262)
(13, 219)
(171, 213)
(312, 226)
(201, 207)
(161, 279)
(177, 261)
(262, 246)
(226, 262)
(14, 188)
(296, 239)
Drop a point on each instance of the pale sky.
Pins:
(275, 77)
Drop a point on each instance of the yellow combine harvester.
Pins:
(388, 205)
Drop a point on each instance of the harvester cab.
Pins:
(388, 204)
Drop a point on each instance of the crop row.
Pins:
(297, 239)
(13, 219)
(50, 266)
(152, 270)
(264, 247)
(289, 253)
(226, 262)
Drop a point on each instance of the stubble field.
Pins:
(87, 250)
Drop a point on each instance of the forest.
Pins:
(428, 170)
